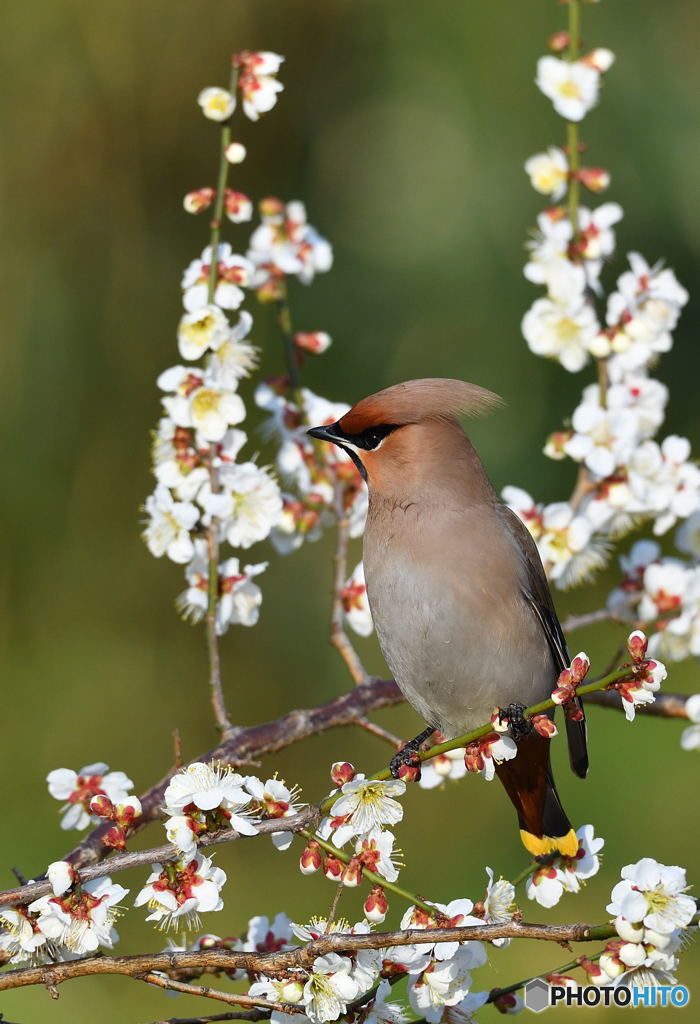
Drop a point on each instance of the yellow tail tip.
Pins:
(540, 846)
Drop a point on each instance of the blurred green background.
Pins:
(404, 127)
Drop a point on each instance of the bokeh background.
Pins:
(404, 127)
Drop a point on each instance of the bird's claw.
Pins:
(406, 763)
(518, 722)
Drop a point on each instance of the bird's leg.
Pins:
(519, 724)
(408, 754)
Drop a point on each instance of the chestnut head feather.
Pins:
(415, 400)
(430, 400)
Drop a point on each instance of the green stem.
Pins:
(370, 875)
(215, 684)
(572, 129)
(476, 734)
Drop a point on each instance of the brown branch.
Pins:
(211, 1018)
(376, 730)
(233, 998)
(272, 964)
(573, 622)
(257, 741)
(124, 861)
(298, 725)
(338, 637)
(666, 705)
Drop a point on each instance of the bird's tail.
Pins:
(528, 781)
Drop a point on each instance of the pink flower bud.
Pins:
(312, 341)
(558, 42)
(115, 838)
(127, 812)
(573, 712)
(342, 772)
(310, 860)
(507, 1003)
(102, 806)
(352, 876)
(637, 643)
(333, 868)
(238, 206)
(271, 207)
(596, 179)
(579, 667)
(593, 971)
(200, 199)
(563, 694)
(376, 906)
(473, 758)
(600, 59)
(544, 725)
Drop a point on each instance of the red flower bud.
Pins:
(102, 806)
(342, 772)
(333, 868)
(544, 725)
(637, 643)
(115, 838)
(376, 906)
(310, 859)
(558, 42)
(596, 179)
(200, 199)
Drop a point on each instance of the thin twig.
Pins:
(233, 998)
(573, 622)
(376, 730)
(211, 1018)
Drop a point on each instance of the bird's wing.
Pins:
(538, 595)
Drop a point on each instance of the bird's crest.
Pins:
(416, 400)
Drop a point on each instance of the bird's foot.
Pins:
(519, 724)
(405, 764)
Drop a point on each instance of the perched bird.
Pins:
(456, 587)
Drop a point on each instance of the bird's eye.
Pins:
(374, 436)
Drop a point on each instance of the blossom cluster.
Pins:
(206, 494)
(626, 473)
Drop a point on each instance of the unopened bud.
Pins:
(235, 152)
(563, 694)
(312, 341)
(376, 906)
(271, 207)
(342, 772)
(637, 643)
(612, 965)
(580, 666)
(507, 1003)
(238, 206)
(102, 806)
(352, 876)
(310, 860)
(558, 42)
(62, 875)
(128, 811)
(200, 199)
(544, 725)
(333, 868)
(115, 838)
(596, 179)
(410, 771)
(600, 59)
(632, 953)
(630, 931)
(291, 992)
(593, 971)
(473, 758)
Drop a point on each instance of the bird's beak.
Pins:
(330, 433)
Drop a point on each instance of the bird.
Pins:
(458, 594)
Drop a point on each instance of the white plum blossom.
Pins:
(445, 982)
(453, 914)
(248, 503)
(239, 597)
(176, 893)
(285, 243)
(499, 904)
(376, 852)
(22, 939)
(369, 804)
(383, 1012)
(264, 935)
(549, 172)
(202, 329)
(233, 273)
(355, 604)
(654, 895)
(78, 789)
(81, 921)
(169, 526)
(216, 104)
(276, 800)
(256, 81)
(201, 402)
(563, 874)
(572, 86)
(561, 331)
(330, 988)
(235, 358)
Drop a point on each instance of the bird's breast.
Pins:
(445, 593)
